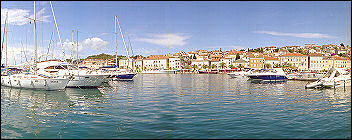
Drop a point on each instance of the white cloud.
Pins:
(166, 39)
(15, 16)
(94, 43)
(18, 16)
(302, 35)
(89, 44)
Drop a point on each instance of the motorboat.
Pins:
(208, 71)
(276, 74)
(159, 72)
(293, 76)
(239, 74)
(335, 77)
(80, 77)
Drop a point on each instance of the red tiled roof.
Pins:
(156, 57)
(271, 58)
(293, 54)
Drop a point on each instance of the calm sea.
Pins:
(178, 106)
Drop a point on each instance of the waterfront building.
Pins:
(138, 65)
(241, 63)
(327, 63)
(342, 62)
(125, 63)
(156, 62)
(175, 63)
(256, 61)
(273, 61)
(227, 60)
(215, 62)
(315, 62)
(297, 60)
(200, 63)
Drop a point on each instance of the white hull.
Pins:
(34, 83)
(160, 72)
(87, 81)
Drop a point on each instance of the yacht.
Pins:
(79, 77)
(335, 77)
(32, 79)
(159, 72)
(276, 74)
(239, 74)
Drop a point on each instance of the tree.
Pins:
(187, 67)
(342, 45)
(242, 50)
(240, 66)
(231, 66)
(222, 65)
(267, 65)
(213, 66)
(194, 66)
(276, 50)
(205, 66)
(290, 50)
(237, 56)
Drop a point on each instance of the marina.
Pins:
(175, 70)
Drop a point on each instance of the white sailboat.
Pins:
(32, 79)
(335, 77)
(121, 75)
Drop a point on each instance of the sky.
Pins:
(161, 27)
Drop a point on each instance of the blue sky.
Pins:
(167, 27)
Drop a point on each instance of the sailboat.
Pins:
(121, 75)
(32, 79)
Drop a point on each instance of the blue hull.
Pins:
(123, 76)
(269, 77)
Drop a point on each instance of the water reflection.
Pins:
(176, 106)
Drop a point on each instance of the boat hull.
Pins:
(122, 77)
(86, 81)
(37, 83)
(268, 77)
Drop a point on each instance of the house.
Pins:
(315, 62)
(156, 62)
(297, 60)
(273, 61)
(256, 61)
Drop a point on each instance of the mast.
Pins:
(35, 42)
(115, 44)
(72, 48)
(77, 49)
(123, 39)
(3, 37)
(130, 46)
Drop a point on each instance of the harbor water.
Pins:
(178, 106)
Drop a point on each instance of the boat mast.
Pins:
(72, 48)
(115, 44)
(3, 37)
(77, 50)
(123, 39)
(35, 42)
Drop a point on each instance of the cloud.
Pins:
(166, 39)
(18, 16)
(302, 35)
(89, 44)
